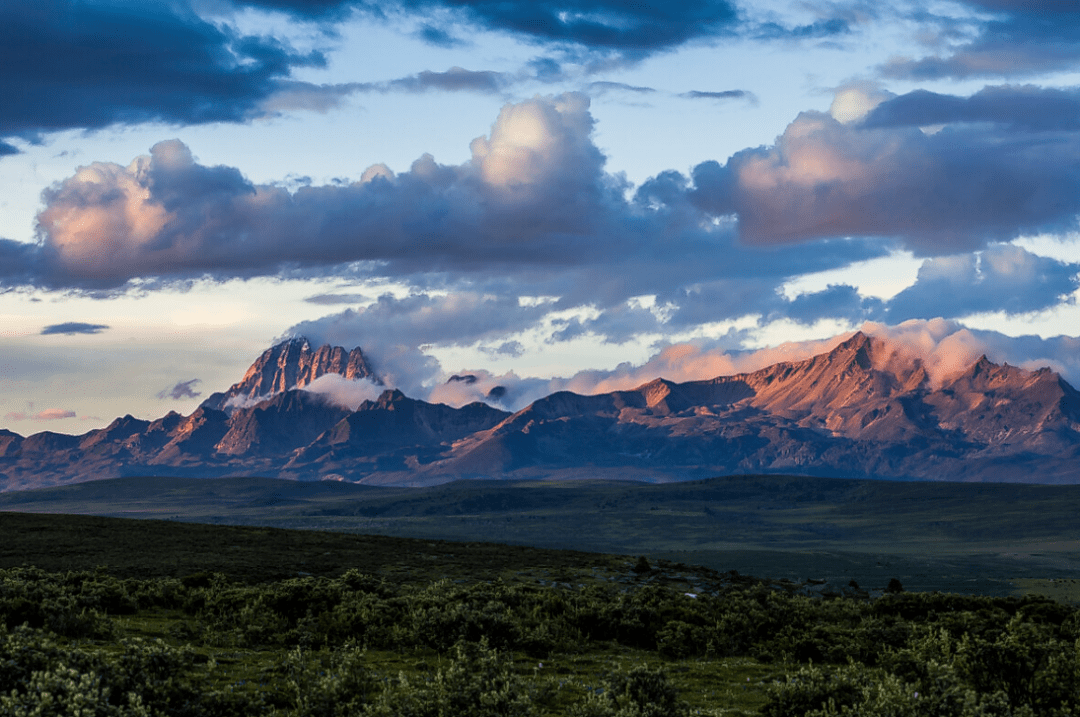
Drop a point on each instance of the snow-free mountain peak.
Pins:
(288, 365)
(866, 408)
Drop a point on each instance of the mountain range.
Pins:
(860, 410)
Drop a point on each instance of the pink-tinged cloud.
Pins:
(531, 189)
(945, 349)
(49, 414)
(990, 168)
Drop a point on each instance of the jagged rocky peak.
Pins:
(292, 364)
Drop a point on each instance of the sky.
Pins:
(541, 194)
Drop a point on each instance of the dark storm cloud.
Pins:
(73, 327)
(1022, 38)
(182, 390)
(68, 64)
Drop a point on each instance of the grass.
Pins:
(992, 539)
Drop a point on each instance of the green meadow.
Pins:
(262, 597)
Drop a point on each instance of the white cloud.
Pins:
(344, 392)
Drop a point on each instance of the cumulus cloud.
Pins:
(182, 390)
(532, 189)
(49, 414)
(959, 188)
(73, 327)
(533, 203)
(67, 64)
(534, 213)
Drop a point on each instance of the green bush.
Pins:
(478, 682)
(637, 692)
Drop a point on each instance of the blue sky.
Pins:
(573, 194)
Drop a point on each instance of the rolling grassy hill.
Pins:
(959, 537)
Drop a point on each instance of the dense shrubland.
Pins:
(92, 644)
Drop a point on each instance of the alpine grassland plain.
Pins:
(104, 616)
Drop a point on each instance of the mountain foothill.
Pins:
(861, 410)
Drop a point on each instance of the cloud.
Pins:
(290, 95)
(396, 333)
(49, 414)
(721, 95)
(513, 349)
(73, 327)
(1020, 38)
(331, 299)
(533, 207)
(507, 391)
(182, 390)
(945, 348)
(599, 26)
(534, 213)
(456, 79)
(67, 64)
(603, 87)
(960, 188)
(531, 190)
(1025, 108)
(438, 37)
(594, 24)
(344, 392)
(1002, 278)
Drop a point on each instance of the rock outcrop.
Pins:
(287, 365)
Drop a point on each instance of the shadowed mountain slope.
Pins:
(865, 409)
